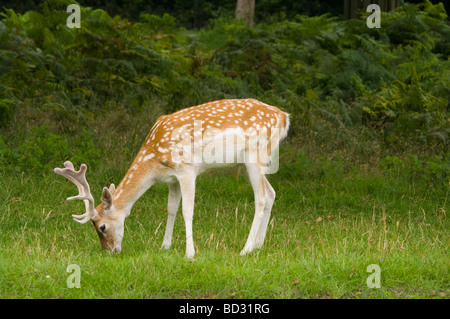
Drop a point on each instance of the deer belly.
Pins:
(226, 149)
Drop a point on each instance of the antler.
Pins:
(84, 192)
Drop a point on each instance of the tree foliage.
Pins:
(392, 83)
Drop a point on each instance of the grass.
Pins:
(327, 226)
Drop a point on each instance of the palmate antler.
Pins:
(84, 192)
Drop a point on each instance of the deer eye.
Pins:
(102, 228)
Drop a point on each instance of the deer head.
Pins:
(108, 222)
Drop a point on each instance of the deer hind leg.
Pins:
(260, 236)
(258, 182)
(172, 207)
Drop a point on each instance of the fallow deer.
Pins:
(180, 146)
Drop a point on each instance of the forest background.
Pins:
(366, 164)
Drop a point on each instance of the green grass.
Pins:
(327, 226)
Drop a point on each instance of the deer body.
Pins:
(179, 147)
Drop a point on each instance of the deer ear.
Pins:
(112, 188)
(107, 199)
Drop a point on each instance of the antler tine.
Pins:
(82, 219)
(84, 192)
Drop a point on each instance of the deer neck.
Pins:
(139, 178)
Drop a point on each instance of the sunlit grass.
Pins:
(323, 234)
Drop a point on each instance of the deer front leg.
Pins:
(172, 207)
(187, 186)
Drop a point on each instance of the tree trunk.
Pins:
(352, 7)
(245, 10)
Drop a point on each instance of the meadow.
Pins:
(364, 174)
(328, 225)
